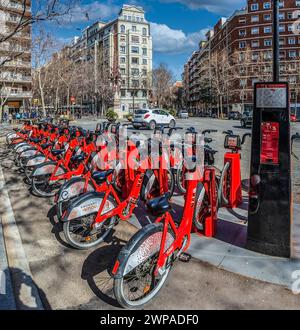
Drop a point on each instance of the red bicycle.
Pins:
(143, 265)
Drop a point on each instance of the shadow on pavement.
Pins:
(97, 268)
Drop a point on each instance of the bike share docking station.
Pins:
(270, 206)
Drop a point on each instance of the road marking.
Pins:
(28, 295)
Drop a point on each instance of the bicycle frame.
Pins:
(183, 232)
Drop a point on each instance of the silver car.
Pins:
(183, 114)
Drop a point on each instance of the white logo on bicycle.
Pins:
(296, 283)
(2, 283)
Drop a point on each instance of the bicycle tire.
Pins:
(134, 244)
(223, 200)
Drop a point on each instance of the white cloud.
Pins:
(93, 11)
(223, 7)
(167, 40)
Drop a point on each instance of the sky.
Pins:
(177, 26)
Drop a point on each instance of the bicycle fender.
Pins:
(28, 153)
(85, 205)
(21, 147)
(128, 250)
(35, 160)
(47, 168)
(73, 188)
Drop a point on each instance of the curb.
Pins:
(25, 290)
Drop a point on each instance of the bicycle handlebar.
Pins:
(209, 131)
(244, 137)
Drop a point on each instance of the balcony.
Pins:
(16, 79)
(6, 4)
(15, 94)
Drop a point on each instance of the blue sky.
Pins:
(177, 25)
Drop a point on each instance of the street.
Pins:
(71, 279)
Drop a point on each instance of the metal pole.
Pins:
(275, 41)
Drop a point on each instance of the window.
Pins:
(144, 72)
(255, 30)
(268, 55)
(135, 83)
(133, 28)
(242, 20)
(255, 56)
(122, 49)
(292, 53)
(123, 38)
(135, 72)
(145, 62)
(145, 94)
(123, 60)
(123, 71)
(281, 28)
(281, 55)
(254, 6)
(122, 28)
(144, 31)
(268, 29)
(281, 16)
(145, 51)
(297, 3)
(290, 15)
(123, 92)
(255, 43)
(290, 27)
(242, 44)
(291, 41)
(144, 40)
(292, 80)
(281, 4)
(255, 18)
(135, 39)
(242, 33)
(267, 5)
(268, 42)
(135, 50)
(242, 57)
(243, 82)
(267, 17)
(282, 41)
(129, 18)
(134, 60)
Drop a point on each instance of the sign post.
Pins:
(269, 228)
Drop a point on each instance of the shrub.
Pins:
(111, 115)
(172, 112)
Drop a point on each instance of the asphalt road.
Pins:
(71, 279)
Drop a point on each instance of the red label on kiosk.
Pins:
(269, 143)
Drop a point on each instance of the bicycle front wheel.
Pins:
(136, 284)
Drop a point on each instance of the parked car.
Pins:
(234, 115)
(246, 119)
(150, 118)
(183, 114)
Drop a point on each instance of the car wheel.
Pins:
(172, 123)
(152, 124)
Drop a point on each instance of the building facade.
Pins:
(241, 46)
(122, 51)
(15, 57)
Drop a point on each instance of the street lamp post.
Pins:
(275, 41)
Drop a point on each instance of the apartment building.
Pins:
(248, 36)
(15, 57)
(123, 49)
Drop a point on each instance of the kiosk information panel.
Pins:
(270, 173)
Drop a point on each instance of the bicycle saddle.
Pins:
(78, 158)
(160, 205)
(100, 177)
(57, 152)
(35, 140)
(46, 145)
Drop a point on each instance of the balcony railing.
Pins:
(15, 94)
(15, 79)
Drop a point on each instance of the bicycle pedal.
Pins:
(185, 257)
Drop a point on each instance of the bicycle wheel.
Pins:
(43, 188)
(224, 188)
(180, 178)
(82, 235)
(137, 284)
(203, 207)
